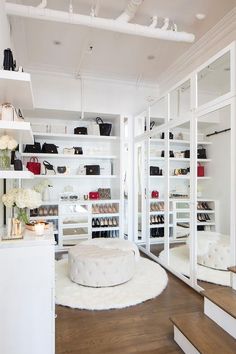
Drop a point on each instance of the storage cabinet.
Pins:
(27, 295)
(188, 160)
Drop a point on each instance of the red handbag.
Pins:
(155, 194)
(200, 170)
(93, 195)
(34, 166)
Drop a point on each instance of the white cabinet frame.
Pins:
(196, 110)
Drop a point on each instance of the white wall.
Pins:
(5, 41)
(53, 91)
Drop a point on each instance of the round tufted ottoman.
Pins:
(102, 263)
(218, 254)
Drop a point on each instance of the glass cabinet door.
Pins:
(214, 80)
(180, 102)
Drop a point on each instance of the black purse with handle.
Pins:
(105, 128)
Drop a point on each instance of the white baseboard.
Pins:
(219, 316)
(184, 343)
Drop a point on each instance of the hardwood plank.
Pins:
(144, 328)
(204, 334)
(232, 269)
(225, 298)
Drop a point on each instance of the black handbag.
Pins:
(49, 149)
(61, 169)
(81, 131)
(92, 169)
(201, 153)
(105, 128)
(171, 153)
(78, 150)
(186, 154)
(18, 166)
(8, 62)
(49, 169)
(154, 171)
(33, 149)
(171, 136)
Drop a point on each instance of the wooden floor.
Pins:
(144, 328)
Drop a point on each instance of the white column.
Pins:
(5, 40)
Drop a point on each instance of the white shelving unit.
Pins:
(74, 137)
(20, 131)
(97, 150)
(11, 174)
(16, 88)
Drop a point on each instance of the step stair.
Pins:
(220, 306)
(196, 333)
(233, 276)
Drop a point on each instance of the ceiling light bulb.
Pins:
(200, 16)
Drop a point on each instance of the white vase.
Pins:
(46, 195)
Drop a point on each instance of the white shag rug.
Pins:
(148, 282)
(179, 261)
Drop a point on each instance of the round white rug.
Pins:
(179, 261)
(149, 281)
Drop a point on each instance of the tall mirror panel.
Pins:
(179, 197)
(213, 193)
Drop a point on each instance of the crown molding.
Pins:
(218, 37)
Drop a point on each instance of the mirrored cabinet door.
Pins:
(214, 80)
(214, 184)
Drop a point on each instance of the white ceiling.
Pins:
(115, 56)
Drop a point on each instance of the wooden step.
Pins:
(232, 269)
(223, 297)
(203, 334)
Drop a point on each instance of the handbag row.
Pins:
(156, 171)
(34, 166)
(51, 149)
(201, 154)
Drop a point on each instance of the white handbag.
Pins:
(93, 129)
(8, 112)
(69, 151)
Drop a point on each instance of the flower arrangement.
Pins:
(7, 144)
(40, 187)
(22, 199)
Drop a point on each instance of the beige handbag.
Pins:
(8, 113)
(69, 151)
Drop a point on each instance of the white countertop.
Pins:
(30, 239)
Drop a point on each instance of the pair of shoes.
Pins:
(157, 219)
(104, 222)
(203, 217)
(104, 209)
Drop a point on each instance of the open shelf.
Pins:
(15, 88)
(16, 174)
(76, 176)
(77, 137)
(96, 229)
(20, 131)
(77, 157)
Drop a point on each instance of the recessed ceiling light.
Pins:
(151, 57)
(56, 42)
(200, 16)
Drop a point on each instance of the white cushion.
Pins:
(218, 255)
(213, 250)
(100, 262)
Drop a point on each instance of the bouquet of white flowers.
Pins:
(40, 187)
(7, 144)
(22, 199)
